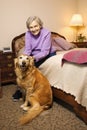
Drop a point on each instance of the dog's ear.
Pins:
(31, 61)
(15, 62)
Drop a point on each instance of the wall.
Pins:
(55, 14)
(82, 8)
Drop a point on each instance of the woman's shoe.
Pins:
(17, 95)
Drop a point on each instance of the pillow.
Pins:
(78, 56)
(59, 43)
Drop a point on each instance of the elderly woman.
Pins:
(37, 44)
(37, 41)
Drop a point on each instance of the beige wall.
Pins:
(82, 7)
(55, 14)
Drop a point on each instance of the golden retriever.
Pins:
(37, 88)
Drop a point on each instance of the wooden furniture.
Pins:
(7, 67)
(79, 110)
(0, 86)
(81, 44)
(17, 44)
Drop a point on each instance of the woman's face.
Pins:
(34, 28)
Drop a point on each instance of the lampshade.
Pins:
(76, 20)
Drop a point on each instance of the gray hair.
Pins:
(34, 18)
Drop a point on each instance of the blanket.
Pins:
(78, 56)
(70, 78)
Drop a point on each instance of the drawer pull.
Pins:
(9, 56)
(10, 65)
(11, 74)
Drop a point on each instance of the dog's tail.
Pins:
(32, 113)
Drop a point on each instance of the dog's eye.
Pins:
(20, 57)
(27, 58)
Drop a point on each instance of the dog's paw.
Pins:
(26, 108)
(22, 106)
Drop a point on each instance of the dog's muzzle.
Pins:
(23, 66)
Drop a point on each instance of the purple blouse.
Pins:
(38, 46)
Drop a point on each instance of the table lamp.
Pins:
(77, 23)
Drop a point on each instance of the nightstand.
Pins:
(7, 67)
(81, 44)
(0, 86)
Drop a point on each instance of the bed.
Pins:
(68, 79)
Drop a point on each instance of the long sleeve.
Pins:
(28, 49)
(45, 48)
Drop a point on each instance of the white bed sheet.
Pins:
(71, 78)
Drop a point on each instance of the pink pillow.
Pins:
(76, 56)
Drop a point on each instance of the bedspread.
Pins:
(71, 78)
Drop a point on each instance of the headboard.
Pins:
(18, 42)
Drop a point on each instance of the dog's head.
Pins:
(24, 62)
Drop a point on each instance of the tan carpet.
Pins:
(57, 118)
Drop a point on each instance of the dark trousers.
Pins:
(37, 64)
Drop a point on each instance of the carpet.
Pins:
(59, 117)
